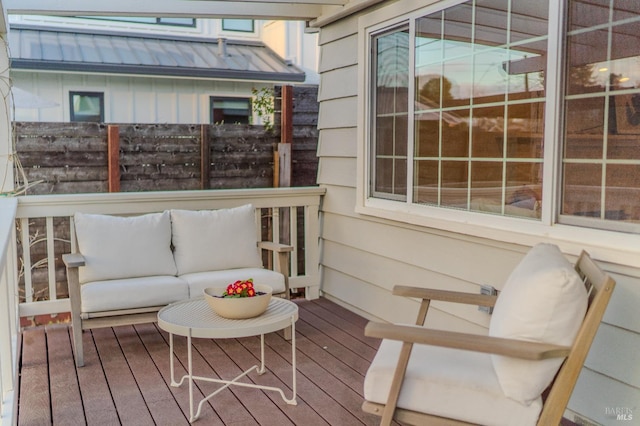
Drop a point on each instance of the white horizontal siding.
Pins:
(339, 53)
(365, 255)
(338, 83)
(337, 171)
(623, 363)
(338, 143)
(337, 113)
(623, 308)
(595, 393)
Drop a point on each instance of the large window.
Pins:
(459, 106)
(87, 106)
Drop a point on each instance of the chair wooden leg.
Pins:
(77, 342)
(396, 384)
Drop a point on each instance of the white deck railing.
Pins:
(29, 284)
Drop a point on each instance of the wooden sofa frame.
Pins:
(84, 321)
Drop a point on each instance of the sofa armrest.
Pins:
(281, 260)
(73, 260)
(275, 247)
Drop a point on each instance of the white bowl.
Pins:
(238, 307)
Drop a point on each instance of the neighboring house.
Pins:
(457, 134)
(154, 70)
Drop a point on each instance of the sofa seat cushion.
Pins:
(543, 300)
(201, 280)
(117, 247)
(213, 240)
(449, 383)
(132, 293)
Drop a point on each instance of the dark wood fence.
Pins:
(74, 157)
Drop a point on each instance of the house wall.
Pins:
(128, 99)
(288, 39)
(364, 256)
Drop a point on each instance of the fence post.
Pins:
(113, 153)
(286, 137)
(205, 156)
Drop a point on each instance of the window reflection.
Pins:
(479, 71)
(391, 79)
(602, 111)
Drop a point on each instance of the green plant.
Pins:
(263, 106)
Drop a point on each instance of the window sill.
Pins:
(608, 246)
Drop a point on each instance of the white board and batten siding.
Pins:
(129, 99)
(364, 256)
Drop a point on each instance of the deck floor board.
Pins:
(126, 378)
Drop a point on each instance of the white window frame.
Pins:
(617, 247)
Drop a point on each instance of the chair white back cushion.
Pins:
(212, 240)
(543, 300)
(124, 247)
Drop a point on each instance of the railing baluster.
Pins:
(51, 259)
(293, 240)
(26, 259)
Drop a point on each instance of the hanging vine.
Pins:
(263, 106)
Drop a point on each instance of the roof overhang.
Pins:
(316, 12)
(305, 10)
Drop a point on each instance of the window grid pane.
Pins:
(601, 156)
(479, 110)
(390, 71)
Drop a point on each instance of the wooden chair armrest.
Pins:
(473, 342)
(445, 295)
(73, 260)
(275, 247)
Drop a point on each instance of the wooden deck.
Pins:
(126, 375)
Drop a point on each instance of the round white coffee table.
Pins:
(194, 318)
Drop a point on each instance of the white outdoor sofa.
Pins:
(128, 268)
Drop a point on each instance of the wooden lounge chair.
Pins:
(418, 376)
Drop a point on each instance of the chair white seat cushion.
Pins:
(449, 383)
(200, 280)
(117, 247)
(543, 300)
(132, 293)
(213, 240)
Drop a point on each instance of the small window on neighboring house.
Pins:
(87, 106)
(241, 25)
(230, 110)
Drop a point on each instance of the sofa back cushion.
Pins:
(213, 240)
(117, 247)
(543, 300)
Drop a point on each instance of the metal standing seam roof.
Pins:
(101, 52)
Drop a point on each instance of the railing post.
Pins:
(312, 251)
(8, 309)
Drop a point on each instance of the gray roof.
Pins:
(102, 52)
